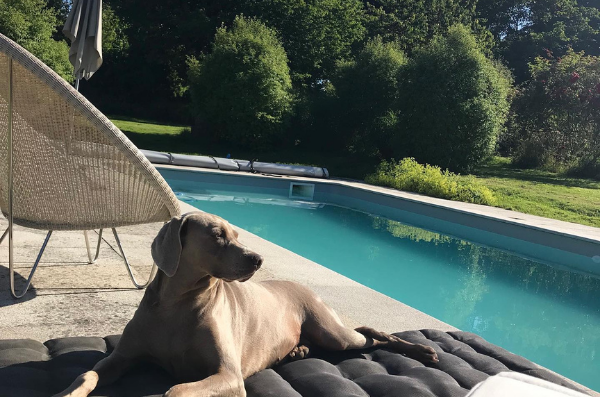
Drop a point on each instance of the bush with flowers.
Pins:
(556, 122)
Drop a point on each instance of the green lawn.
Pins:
(543, 193)
(128, 124)
(531, 191)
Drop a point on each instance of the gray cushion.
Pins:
(31, 369)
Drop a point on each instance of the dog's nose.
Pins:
(257, 260)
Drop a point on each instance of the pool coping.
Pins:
(562, 228)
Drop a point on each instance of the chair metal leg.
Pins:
(128, 266)
(11, 264)
(3, 235)
(87, 245)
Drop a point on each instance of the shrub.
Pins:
(430, 180)
(242, 92)
(367, 88)
(557, 115)
(453, 103)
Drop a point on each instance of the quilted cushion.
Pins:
(33, 369)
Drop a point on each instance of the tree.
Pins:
(114, 34)
(367, 88)
(315, 34)
(413, 23)
(557, 115)
(525, 29)
(242, 92)
(32, 25)
(453, 103)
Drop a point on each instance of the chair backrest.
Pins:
(72, 168)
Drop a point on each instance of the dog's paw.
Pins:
(424, 354)
(298, 353)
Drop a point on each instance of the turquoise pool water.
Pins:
(549, 315)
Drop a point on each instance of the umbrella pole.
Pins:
(77, 84)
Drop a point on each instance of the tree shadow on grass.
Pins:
(508, 171)
(170, 143)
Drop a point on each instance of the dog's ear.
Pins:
(166, 247)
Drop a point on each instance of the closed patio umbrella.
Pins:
(84, 28)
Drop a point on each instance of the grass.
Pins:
(542, 193)
(128, 124)
(530, 191)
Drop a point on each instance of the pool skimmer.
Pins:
(303, 191)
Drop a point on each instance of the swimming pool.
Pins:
(547, 314)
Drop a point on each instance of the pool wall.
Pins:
(554, 242)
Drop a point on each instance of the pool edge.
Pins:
(502, 227)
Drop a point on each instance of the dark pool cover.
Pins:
(31, 369)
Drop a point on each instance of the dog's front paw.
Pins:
(424, 354)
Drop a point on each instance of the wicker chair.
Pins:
(64, 165)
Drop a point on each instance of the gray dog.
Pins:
(206, 327)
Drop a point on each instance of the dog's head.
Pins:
(204, 244)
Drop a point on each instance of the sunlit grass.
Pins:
(127, 124)
(542, 193)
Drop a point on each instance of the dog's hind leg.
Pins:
(323, 328)
(105, 372)
(420, 352)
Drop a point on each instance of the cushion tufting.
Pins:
(33, 369)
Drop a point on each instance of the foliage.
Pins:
(144, 73)
(32, 25)
(411, 176)
(315, 34)
(557, 114)
(241, 91)
(524, 29)
(165, 34)
(114, 37)
(161, 38)
(367, 88)
(453, 102)
(414, 23)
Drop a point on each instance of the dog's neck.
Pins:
(174, 288)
